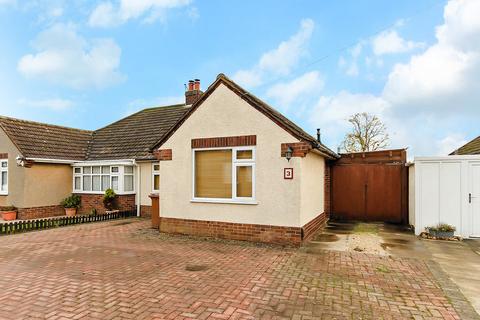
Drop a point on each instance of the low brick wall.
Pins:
(245, 232)
(95, 201)
(146, 211)
(40, 212)
(312, 227)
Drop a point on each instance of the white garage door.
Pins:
(474, 198)
(447, 190)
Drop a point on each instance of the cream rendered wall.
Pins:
(15, 174)
(145, 183)
(46, 184)
(312, 187)
(278, 199)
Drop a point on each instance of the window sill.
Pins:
(103, 192)
(225, 201)
(3, 193)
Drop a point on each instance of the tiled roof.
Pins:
(132, 137)
(261, 106)
(472, 147)
(40, 140)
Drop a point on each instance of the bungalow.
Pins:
(224, 164)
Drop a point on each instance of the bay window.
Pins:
(224, 175)
(4, 177)
(97, 179)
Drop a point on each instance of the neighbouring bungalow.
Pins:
(224, 164)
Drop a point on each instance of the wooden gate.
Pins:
(370, 186)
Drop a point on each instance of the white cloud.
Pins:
(279, 61)
(389, 42)
(288, 92)
(66, 58)
(450, 143)
(447, 75)
(351, 67)
(430, 101)
(55, 104)
(107, 14)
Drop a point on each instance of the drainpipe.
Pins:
(138, 193)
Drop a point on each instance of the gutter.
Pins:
(44, 160)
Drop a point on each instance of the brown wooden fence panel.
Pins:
(370, 186)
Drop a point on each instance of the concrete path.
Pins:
(461, 263)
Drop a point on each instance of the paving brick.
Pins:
(125, 270)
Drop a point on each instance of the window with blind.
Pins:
(224, 174)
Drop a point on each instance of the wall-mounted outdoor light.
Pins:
(289, 153)
(20, 161)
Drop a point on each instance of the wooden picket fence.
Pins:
(55, 222)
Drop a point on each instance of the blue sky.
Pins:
(88, 63)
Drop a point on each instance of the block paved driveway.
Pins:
(124, 270)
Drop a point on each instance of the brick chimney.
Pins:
(193, 92)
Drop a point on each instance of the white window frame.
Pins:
(3, 169)
(235, 163)
(120, 174)
(155, 173)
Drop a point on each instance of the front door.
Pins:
(474, 198)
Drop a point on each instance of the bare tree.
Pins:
(368, 134)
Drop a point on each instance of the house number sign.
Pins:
(288, 173)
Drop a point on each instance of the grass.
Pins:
(383, 269)
(365, 228)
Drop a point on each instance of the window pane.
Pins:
(244, 182)
(105, 169)
(77, 183)
(115, 183)
(78, 170)
(156, 182)
(156, 167)
(114, 169)
(87, 169)
(87, 183)
(96, 169)
(4, 164)
(128, 183)
(105, 182)
(128, 169)
(4, 180)
(96, 186)
(213, 174)
(244, 154)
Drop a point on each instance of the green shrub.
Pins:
(72, 201)
(8, 208)
(109, 199)
(441, 227)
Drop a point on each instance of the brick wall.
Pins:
(163, 154)
(327, 189)
(300, 149)
(245, 232)
(312, 227)
(146, 211)
(40, 212)
(220, 142)
(95, 201)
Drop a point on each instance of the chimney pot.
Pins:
(196, 84)
(191, 84)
